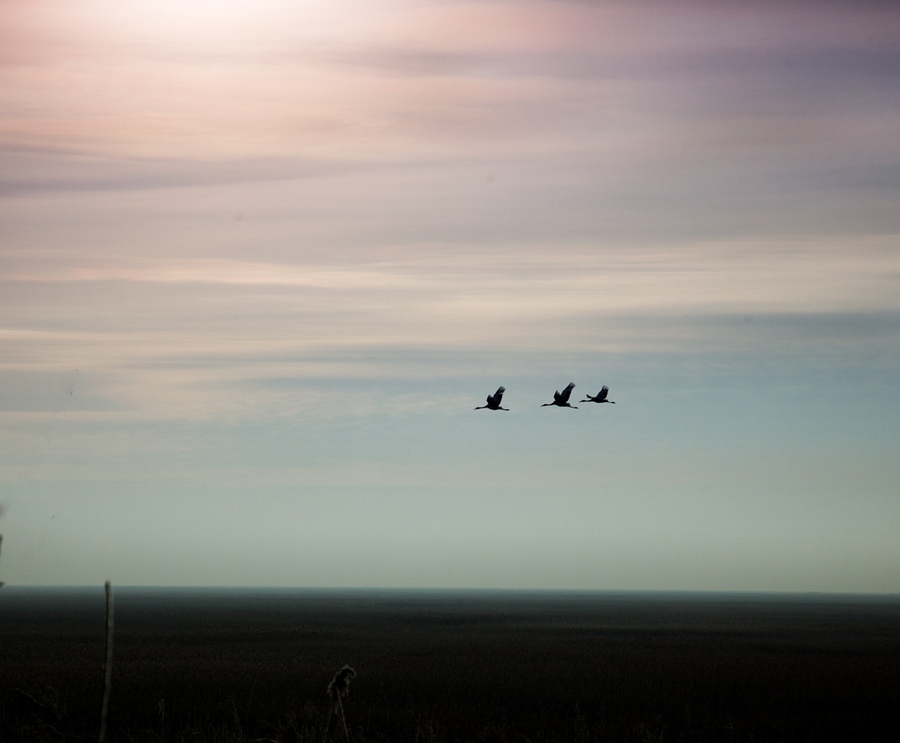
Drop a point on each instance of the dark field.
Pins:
(195, 665)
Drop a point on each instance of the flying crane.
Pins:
(601, 396)
(493, 401)
(561, 399)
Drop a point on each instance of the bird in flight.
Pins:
(601, 396)
(561, 399)
(493, 401)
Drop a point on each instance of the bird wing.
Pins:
(564, 395)
(603, 393)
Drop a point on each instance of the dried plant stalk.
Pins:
(337, 689)
(340, 684)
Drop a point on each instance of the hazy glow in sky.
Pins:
(259, 261)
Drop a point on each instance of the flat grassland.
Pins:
(252, 665)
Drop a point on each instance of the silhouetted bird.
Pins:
(493, 401)
(561, 399)
(601, 396)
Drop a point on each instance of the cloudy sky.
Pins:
(260, 259)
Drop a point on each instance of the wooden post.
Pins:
(107, 680)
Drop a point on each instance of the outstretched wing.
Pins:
(603, 393)
(497, 396)
(564, 395)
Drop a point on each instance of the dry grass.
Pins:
(432, 670)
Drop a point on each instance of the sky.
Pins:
(261, 259)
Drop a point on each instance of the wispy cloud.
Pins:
(190, 330)
(426, 79)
